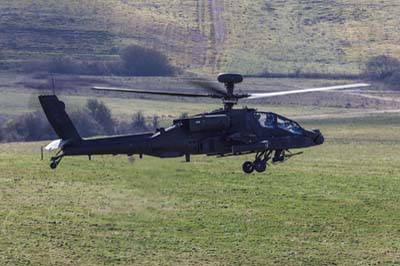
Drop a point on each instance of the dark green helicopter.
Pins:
(223, 132)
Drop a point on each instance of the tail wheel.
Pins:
(55, 161)
(53, 165)
(248, 167)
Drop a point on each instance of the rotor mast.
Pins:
(229, 80)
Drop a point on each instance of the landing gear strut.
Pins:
(259, 164)
(279, 156)
(56, 160)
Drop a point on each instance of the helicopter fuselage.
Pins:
(222, 132)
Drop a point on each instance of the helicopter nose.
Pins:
(318, 137)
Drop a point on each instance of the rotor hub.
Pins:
(229, 80)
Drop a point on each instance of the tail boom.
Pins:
(130, 144)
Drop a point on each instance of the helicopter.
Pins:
(223, 132)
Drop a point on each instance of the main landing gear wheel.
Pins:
(260, 165)
(248, 167)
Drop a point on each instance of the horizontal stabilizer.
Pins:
(56, 145)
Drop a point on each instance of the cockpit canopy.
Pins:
(273, 121)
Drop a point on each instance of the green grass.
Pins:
(207, 36)
(337, 204)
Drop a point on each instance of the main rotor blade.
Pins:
(156, 92)
(279, 93)
(209, 86)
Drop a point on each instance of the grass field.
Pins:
(206, 36)
(336, 204)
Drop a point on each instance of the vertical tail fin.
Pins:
(58, 118)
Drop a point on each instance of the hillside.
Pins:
(206, 35)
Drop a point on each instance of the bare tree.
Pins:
(155, 122)
(139, 122)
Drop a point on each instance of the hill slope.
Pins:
(207, 35)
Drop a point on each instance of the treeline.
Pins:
(94, 119)
(133, 60)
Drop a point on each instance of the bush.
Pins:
(155, 122)
(394, 80)
(95, 68)
(35, 127)
(184, 115)
(140, 61)
(29, 127)
(381, 67)
(134, 61)
(122, 127)
(138, 123)
(94, 119)
(85, 123)
(102, 115)
(63, 65)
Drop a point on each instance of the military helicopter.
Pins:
(223, 132)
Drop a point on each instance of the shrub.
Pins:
(140, 61)
(155, 122)
(134, 61)
(63, 65)
(122, 127)
(86, 125)
(381, 67)
(138, 123)
(394, 80)
(95, 68)
(35, 127)
(102, 115)
(94, 119)
(184, 115)
(29, 127)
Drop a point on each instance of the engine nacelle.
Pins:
(209, 122)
